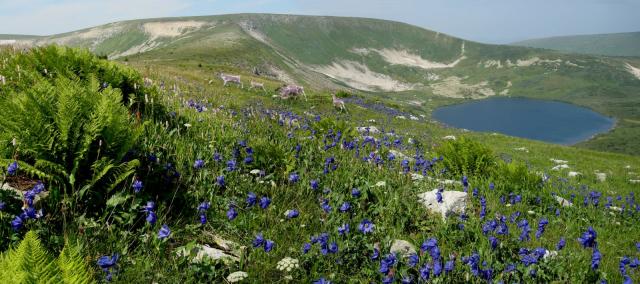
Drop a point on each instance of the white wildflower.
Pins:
(254, 172)
(237, 276)
(187, 125)
(288, 264)
(381, 183)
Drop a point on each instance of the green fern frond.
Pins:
(31, 263)
(72, 266)
(28, 263)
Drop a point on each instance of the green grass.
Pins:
(185, 135)
(298, 44)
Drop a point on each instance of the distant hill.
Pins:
(618, 44)
(407, 64)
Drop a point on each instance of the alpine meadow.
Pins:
(273, 148)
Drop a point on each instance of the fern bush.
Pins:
(61, 128)
(23, 70)
(516, 178)
(467, 157)
(29, 262)
(64, 121)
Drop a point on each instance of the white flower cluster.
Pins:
(287, 264)
(237, 276)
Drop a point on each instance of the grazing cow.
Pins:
(3, 80)
(337, 102)
(257, 85)
(231, 79)
(291, 91)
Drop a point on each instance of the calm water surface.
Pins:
(548, 121)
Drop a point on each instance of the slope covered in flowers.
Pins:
(309, 197)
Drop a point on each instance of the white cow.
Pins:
(231, 79)
(292, 91)
(337, 102)
(257, 85)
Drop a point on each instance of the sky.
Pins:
(489, 21)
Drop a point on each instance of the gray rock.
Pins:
(453, 202)
(20, 193)
(221, 249)
(563, 202)
(204, 251)
(372, 129)
(402, 247)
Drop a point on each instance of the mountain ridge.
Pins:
(406, 64)
(609, 44)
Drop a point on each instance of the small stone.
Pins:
(402, 247)
(372, 129)
(563, 202)
(573, 174)
(205, 251)
(560, 167)
(415, 176)
(614, 208)
(550, 254)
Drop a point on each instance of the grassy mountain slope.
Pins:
(617, 44)
(296, 142)
(411, 66)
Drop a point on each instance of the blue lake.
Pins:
(549, 121)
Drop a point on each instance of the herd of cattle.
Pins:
(287, 91)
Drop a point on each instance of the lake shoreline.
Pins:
(562, 123)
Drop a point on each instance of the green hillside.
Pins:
(411, 66)
(140, 176)
(618, 44)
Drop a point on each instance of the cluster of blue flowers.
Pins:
(12, 169)
(260, 241)
(107, 264)
(29, 211)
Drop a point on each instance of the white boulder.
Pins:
(402, 247)
(560, 167)
(453, 202)
(556, 161)
(204, 251)
(400, 156)
(563, 202)
(372, 129)
(573, 174)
